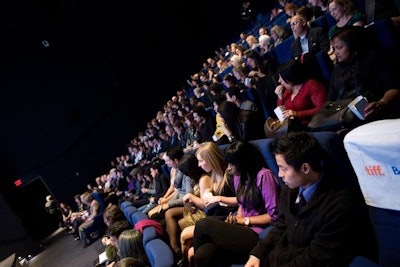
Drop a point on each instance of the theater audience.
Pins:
(300, 96)
(220, 184)
(290, 10)
(221, 243)
(317, 222)
(88, 221)
(161, 185)
(240, 124)
(319, 7)
(345, 13)
(116, 223)
(307, 40)
(234, 95)
(180, 184)
(174, 217)
(364, 71)
(263, 76)
(130, 244)
(278, 34)
(66, 212)
(205, 124)
(220, 200)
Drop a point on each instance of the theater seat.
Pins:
(326, 66)
(137, 216)
(149, 233)
(331, 20)
(384, 34)
(321, 21)
(282, 51)
(166, 170)
(125, 204)
(159, 253)
(362, 262)
(128, 211)
(332, 143)
(374, 152)
(98, 227)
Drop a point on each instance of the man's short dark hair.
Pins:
(298, 148)
(234, 91)
(118, 227)
(175, 152)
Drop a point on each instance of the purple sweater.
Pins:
(270, 192)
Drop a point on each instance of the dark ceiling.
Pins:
(81, 78)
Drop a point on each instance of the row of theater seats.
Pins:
(98, 228)
(160, 253)
(381, 33)
(264, 19)
(383, 224)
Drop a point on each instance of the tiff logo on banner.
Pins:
(374, 170)
(377, 170)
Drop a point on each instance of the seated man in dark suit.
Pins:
(307, 40)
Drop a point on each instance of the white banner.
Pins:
(374, 152)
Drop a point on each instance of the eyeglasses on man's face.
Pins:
(294, 23)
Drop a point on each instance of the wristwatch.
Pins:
(247, 221)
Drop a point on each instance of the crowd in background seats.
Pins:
(228, 100)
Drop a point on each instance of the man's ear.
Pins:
(305, 168)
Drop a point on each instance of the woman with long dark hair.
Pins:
(221, 243)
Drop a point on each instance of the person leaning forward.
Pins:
(325, 231)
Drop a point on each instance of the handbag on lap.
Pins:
(274, 128)
(334, 116)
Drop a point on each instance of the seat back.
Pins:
(361, 5)
(159, 253)
(359, 261)
(149, 233)
(280, 19)
(384, 34)
(100, 199)
(331, 20)
(263, 146)
(137, 216)
(125, 204)
(331, 142)
(321, 21)
(166, 170)
(128, 211)
(374, 152)
(282, 51)
(386, 225)
(326, 66)
(225, 72)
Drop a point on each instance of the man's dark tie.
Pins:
(301, 202)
